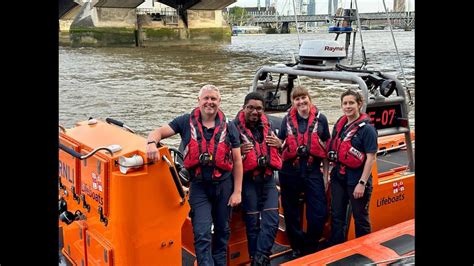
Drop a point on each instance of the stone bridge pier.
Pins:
(117, 23)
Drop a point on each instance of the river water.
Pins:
(148, 87)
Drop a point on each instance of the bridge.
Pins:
(118, 22)
(197, 4)
(176, 4)
(324, 18)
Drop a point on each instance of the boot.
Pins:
(253, 262)
(261, 260)
(265, 260)
(295, 253)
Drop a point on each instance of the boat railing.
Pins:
(388, 113)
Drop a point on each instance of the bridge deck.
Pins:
(322, 17)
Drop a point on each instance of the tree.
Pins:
(238, 16)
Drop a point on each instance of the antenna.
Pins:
(398, 55)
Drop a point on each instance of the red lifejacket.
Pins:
(346, 153)
(294, 138)
(218, 155)
(250, 162)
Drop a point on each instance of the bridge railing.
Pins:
(169, 17)
(323, 17)
(161, 11)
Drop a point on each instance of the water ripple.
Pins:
(147, 87)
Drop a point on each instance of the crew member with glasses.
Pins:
(260, 158)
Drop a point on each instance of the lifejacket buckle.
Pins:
(332, 156)
(302, 151)
(205, 158)
(262, 161)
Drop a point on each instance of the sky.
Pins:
(365, 6)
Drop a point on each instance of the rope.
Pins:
(364, 58)
(296, 20)
(410, 101)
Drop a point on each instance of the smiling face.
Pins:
(302, 104)
(350, 107)
(301, 100)
(253, 111)
(209, 101)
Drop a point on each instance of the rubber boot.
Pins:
(261, 260)
(295, 253)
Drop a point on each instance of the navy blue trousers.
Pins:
(260, 204)
(294, 181)
(341, 195)
(208, 202)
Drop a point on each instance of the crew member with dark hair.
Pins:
(260, 157)
(352, 148)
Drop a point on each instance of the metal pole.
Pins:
(296, 20)
(398, 55)
(364, 59)
(353, 47)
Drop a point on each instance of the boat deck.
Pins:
(386, 161)
(391, 159)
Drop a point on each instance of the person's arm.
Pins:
(325, 135)
(369, 135)
(245, 144)
(237, 172)
(369, 162)
(273, 141)
(154, 138)
(283, 132)
(326, 173)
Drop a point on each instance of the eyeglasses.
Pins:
(251, 108)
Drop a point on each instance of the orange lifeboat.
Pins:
(112, 216)
(112, 213)
(393, 244)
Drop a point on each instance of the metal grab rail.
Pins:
(119, 123)
(80, 156)
(175, 179)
